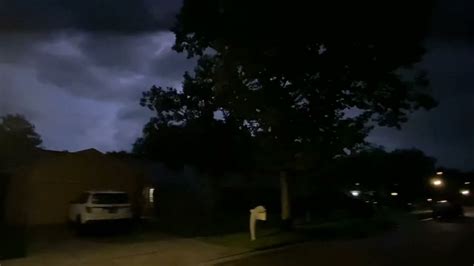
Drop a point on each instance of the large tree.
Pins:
(185, 130)
(18, 138)
(306, 80)
(18, 141)
(406, 171)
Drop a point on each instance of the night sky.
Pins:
(77, 68)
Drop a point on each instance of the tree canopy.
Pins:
(301, 83)
(306, 81)
(18, 140)
(17, 137)
(185, 129)
(406, 171)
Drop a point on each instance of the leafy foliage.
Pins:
(185, 129)
(404, 171)
(18, 141)
(214, 147)
(17, 138)
(302, 82)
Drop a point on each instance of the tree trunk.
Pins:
(285, 201)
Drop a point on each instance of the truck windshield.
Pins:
(110, 198)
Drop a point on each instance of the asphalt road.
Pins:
(425, 243)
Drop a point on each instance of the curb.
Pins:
(253, 252)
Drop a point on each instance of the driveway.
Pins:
(52, 247)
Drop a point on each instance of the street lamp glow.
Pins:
(439, 173)
(437, 182)
(467, 183)
(429, 200)
(355, 193)
(394, 194)
(465, 192)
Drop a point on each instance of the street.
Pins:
(425, 243)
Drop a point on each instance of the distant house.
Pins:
(39, 193)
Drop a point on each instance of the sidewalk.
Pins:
(170, 252)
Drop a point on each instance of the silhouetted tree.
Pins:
(18, 138)
(121, 154)
(18, 141)
(307, 81)
(404, 171)
(213, 147)
(185, 129)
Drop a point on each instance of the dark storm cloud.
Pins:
(68, 71)
(85, 64)
(445, 132)
(131, 116)
(453, 20)
(77, 68)
(82, 89)
(126, 16)
(118, 52)
(123, 53)
(131, 113)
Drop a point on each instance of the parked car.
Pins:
(447, 209)
(94, 206)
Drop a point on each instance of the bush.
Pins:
(332, 207)
(13, 242)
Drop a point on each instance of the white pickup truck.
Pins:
(94, 206)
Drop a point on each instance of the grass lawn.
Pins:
(268, 237)
(233, 232)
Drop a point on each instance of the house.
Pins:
(39, 193)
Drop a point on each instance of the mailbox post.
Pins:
(257, 213)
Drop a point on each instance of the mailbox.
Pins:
(257, 213)
(260, 213)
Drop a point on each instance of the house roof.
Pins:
(88, 151)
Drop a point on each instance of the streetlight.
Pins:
(394, 194)
(465, 192)
(439, 173)
(437, 182)
(355, 193)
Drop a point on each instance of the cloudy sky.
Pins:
(77, 68)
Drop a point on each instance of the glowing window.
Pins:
(151, 193)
